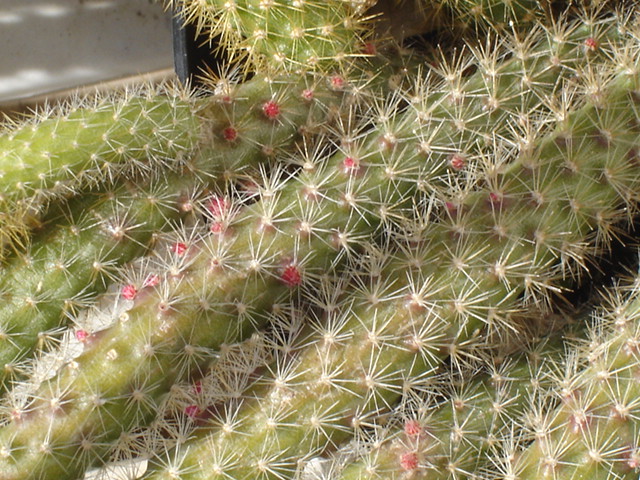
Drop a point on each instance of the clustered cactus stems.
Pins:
(411, 213)
(594, 431)
(79, 146)
(244, 263)
(71, 261)
(85, 242)
(449, 439)
(457, 289)
(82, 245)
(225, 280)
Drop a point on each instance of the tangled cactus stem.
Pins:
(91, 141)
(431, 438)
(245, 261)
(525, 147)
(244, 126)
(473, 265)
(85, 243)
(594, 431)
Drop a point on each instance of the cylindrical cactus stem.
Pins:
(70, 262)
(519, 233)
(357, 363)
(511, 92)
(91, 141)
(245, 126)
(57, 153)
(210, 291)
(429, 438)
(594, 433)
(493, 14)
(295, 232)
(84, 243)
(280, 35)
(223, 383)
(207, 292)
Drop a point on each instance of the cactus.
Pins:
(246, 261)
(73, 259)
(221, 385)
(457, 291)
(282, 35)
(70, 263)
(594, 431)
(346, 371)
(449, 440)
(451, 427)
(519, 156)
(88, 142)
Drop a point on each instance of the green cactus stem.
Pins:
(82, 245)
(72, 260)
(94, 141)
(88, 142)
(594, 431)
(451, 439)
(519, 234)
(246, 126)
(281, 35)
(480, 257)
(223, 383)
(207, 293)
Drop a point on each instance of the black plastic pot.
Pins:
(192, 54)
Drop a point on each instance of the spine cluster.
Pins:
(315, 267)
(593, 431)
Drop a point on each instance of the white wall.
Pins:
(49, 45)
